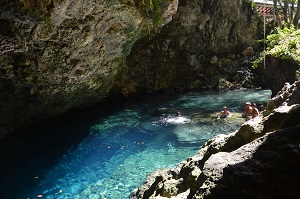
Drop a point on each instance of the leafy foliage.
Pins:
(153, 10)
(283, 44)
(257, 61)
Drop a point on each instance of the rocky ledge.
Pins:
(260, 160)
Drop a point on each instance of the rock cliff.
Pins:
(200, 46)
(74, 53)
(260, 160)
(67, 60)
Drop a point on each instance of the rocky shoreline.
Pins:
(260, 160)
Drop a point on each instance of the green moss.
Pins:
(153, 9)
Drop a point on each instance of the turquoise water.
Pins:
(107, 151)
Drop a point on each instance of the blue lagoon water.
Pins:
(107, 151)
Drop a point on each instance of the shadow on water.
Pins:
(26, 151)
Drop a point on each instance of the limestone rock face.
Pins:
(286, 96)
(260, 160)
(278, 71)
(205, 40)
(68, 60)
(264, 168)
(84, 51)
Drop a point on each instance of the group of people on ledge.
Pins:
(250, 111)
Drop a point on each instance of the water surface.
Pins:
(106, 151)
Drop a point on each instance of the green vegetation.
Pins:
(153, 10)
(283, 44)
(258, 61)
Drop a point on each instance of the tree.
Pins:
(288, 10)
(297, 16)
(277, 18)
(285, 11)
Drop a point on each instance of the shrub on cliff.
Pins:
(280, 62)
(153, 9)
(283, 44)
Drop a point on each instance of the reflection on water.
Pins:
(101, 153)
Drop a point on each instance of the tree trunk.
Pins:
(285, 12)
(277, 18)
(292, 11)
(297, 15)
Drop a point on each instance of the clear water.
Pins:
(106, 151)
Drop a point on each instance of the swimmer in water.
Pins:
(225, 113)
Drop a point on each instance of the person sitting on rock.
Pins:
(255, 111)
(225, 113)
(285, 88)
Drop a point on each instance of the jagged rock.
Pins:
(224, 84)
(292, 118)
(260, 160)
(68, 60)
(264, 168)
(170, 187)
(204, 39)
(288, 96)
(277, 72)
(274, 120)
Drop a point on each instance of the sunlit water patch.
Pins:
(122, 147)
